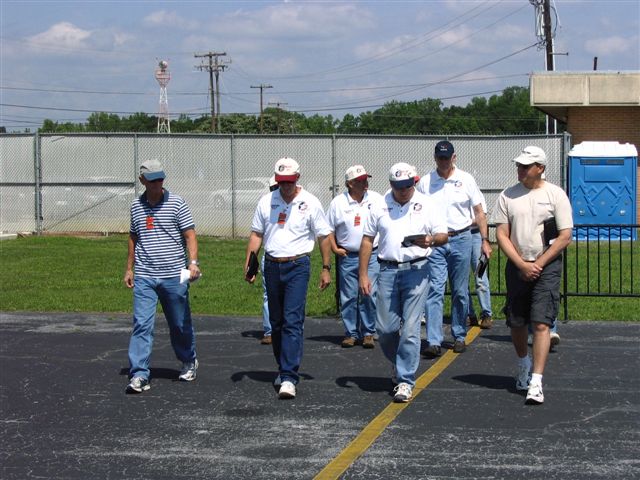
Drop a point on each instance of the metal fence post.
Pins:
(233, 185)
(37, 162)
(136, 160)
(566, 147)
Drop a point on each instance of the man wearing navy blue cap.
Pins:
(457, 193)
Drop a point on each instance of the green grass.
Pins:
(73, 274)
(85, 275)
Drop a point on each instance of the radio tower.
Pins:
(163, 76)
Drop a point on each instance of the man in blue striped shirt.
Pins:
(161, 227)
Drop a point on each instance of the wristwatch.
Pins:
(326, 267)
(195, 262)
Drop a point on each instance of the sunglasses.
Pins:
(525, 167)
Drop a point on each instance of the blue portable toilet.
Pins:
(603, 188)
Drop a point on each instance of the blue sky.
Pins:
(64, 59)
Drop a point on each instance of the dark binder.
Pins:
(550, 230)
(408, 240)
(483, 263)
(254, 265)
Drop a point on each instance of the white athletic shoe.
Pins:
(403, 393)
(287, 390)
(189, 371)
(535, 395)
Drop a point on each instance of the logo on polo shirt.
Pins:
(303, 206)
(457, 184)
(417, 207)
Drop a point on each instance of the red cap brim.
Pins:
(286, 178)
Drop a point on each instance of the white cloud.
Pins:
(63, 35)
(299, 21)
(609, 45)
(162, 18)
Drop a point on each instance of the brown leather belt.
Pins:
(285, 259)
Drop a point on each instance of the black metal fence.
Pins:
(602, 261)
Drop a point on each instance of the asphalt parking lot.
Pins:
(64, 413)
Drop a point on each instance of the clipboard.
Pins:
(253, 266)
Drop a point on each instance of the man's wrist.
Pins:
(326, 267)
(194, 262)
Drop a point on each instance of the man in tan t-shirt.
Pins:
(534, 224)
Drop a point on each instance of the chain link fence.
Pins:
(79, 183)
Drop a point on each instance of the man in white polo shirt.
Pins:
(409, 225)
(457, 194)
(347, 215)
(288, 220)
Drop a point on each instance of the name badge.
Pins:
(150, 222)
(282, 217)
(356, 220)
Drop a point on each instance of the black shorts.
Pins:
(533, 302)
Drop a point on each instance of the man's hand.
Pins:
(340, 252)
(365, 285)
(128, 278)
(195, 272)
(530, 271)
(325, 279)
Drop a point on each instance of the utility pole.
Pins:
(261, 87)
(544, 31)
(278, 104)
(214, 67)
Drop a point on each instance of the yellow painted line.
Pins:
(372, 431)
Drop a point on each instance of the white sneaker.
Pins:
(138, 385)
(403, 393)
(523, 378)
(287, 390)
(189, 370)
(555, 339)
(535, 395)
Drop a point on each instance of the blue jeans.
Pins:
(452, 261)
(174, 298)
(287, 285)
(483, 289)
(266, 324)
(401, 295)
(358, 311)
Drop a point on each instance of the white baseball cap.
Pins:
(354, 172)
(531, 154)
(402, 175)
(287, 170)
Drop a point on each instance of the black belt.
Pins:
(394, 263)
(453, 233)
(475, 230)
(285, 259)
(358, 251)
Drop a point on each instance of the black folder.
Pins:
(254, 265)
(550, 230)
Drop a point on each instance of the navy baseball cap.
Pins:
(444, 148)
